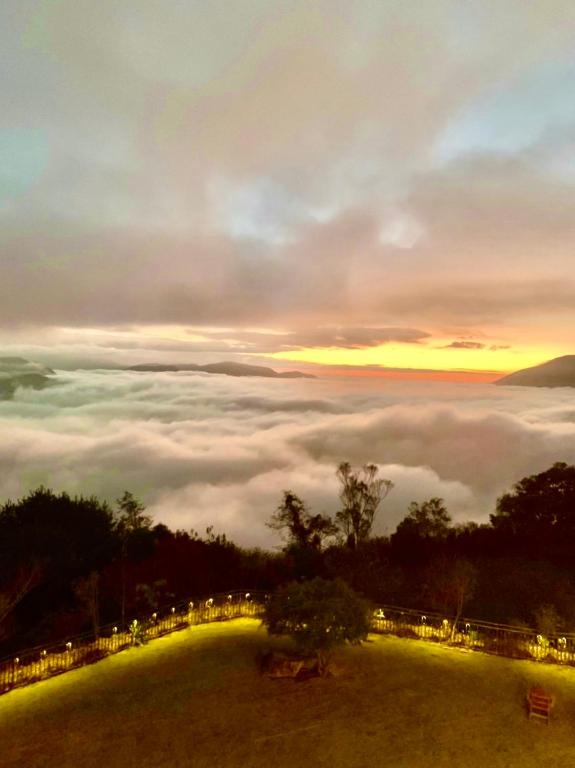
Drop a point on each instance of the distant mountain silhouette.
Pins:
(18, 372)
(15, 365)
(559, 372)
(227, 368)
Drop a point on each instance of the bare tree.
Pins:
(361, 494)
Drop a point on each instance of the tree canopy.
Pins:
(428, 520)
(47, 541)
(302, 529)
(319, 615)
(540, 510)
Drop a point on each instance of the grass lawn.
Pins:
(196, 699)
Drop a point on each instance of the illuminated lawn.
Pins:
(196, 699)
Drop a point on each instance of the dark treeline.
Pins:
(70, 565)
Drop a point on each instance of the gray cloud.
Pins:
(464, 345)
(166, 164)
(334, 336)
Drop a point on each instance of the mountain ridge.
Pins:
(16, 372)
(558, 372)
(226, 368)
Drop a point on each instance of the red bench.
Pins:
(539, 704)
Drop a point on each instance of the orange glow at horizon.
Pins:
(405, 374)
(434, 359)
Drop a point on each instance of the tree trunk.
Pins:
(95, 602)
(457, 617)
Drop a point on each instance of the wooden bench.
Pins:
(539, 704)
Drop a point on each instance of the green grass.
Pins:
(196, 699)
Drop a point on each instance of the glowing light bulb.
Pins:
(68, 646)
(173, 610)
(114, 629)
(191, 606)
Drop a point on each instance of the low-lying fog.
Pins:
(203, 449)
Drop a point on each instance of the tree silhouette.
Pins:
(131, 523)
(303, 530)
(361, 494)
(539, 513)
(428, 520)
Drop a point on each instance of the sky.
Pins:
(378, 192)
(366, 186)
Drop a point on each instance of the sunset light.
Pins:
(287, 332)
(439, 356)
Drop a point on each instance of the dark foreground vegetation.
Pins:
(69, 565)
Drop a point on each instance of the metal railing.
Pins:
(489, 637)
(45, 661)
(41, 662)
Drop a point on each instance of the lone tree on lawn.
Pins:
(361, 494)
(320, 615)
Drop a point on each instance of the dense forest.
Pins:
(70, 565)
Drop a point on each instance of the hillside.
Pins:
(226, 368)
(18, 372)
(559, 372)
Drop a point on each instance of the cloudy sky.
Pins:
(376, 183)
(381, 192)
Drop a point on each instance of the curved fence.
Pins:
(504, 640)
(500, 639)
(45, 661)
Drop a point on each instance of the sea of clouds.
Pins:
(202, 449)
